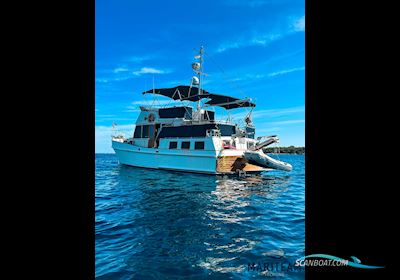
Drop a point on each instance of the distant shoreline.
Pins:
(300, 154)
(286, 150)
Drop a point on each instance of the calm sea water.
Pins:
(168, 225)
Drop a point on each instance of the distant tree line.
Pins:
(286, 150)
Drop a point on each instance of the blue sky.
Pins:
(254, 49)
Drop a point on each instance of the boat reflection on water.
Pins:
(197, 225)
(232, 196)
(236, 187)
(236, 211)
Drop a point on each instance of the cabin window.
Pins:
(199, 145)
(145, 131)
(250, 145)
(185, 145)
(209, 115)
(226, 129)
(250, 131)
(175, 112)
(173, 145)
(138, 132)
(188, 114)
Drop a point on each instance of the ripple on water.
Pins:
(156, 224)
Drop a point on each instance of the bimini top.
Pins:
(187, 93)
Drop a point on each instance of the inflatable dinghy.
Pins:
(261, 159)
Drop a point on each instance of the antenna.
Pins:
(200, 73)
(198, 69)
(154, 95)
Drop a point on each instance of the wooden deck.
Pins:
(228, 164)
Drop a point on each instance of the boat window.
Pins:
(145, 132)
(176, 112)
(188, 114)
(138, 132)
(226, 129)
(173, 145)
(250, 145)
(185, 145)
(250, 131)
(209, 115)
(199, 145)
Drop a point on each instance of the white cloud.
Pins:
(120, 69)
(132, 109)
(149, 70)
(176, 82)
(247, 77)
(268, 130)
(105, 116)
(150, 102)
(264, 39)
(286, 122)
(108, 119)
(138, 59)
(118, 76)
(257, 40)
(278, 112)
(136, 104)
(253, 3)
(299, 24)
(228, 45)
(117, 79)
(271, 113)
(286, 71)
(121, 74)
(101, 80)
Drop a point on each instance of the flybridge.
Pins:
(191, 93)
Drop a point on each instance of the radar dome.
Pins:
(196, 66)
(195, 80)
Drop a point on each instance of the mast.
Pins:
(201, 52)
(198, 69)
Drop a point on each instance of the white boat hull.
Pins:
(208, 161)
(188, 161)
